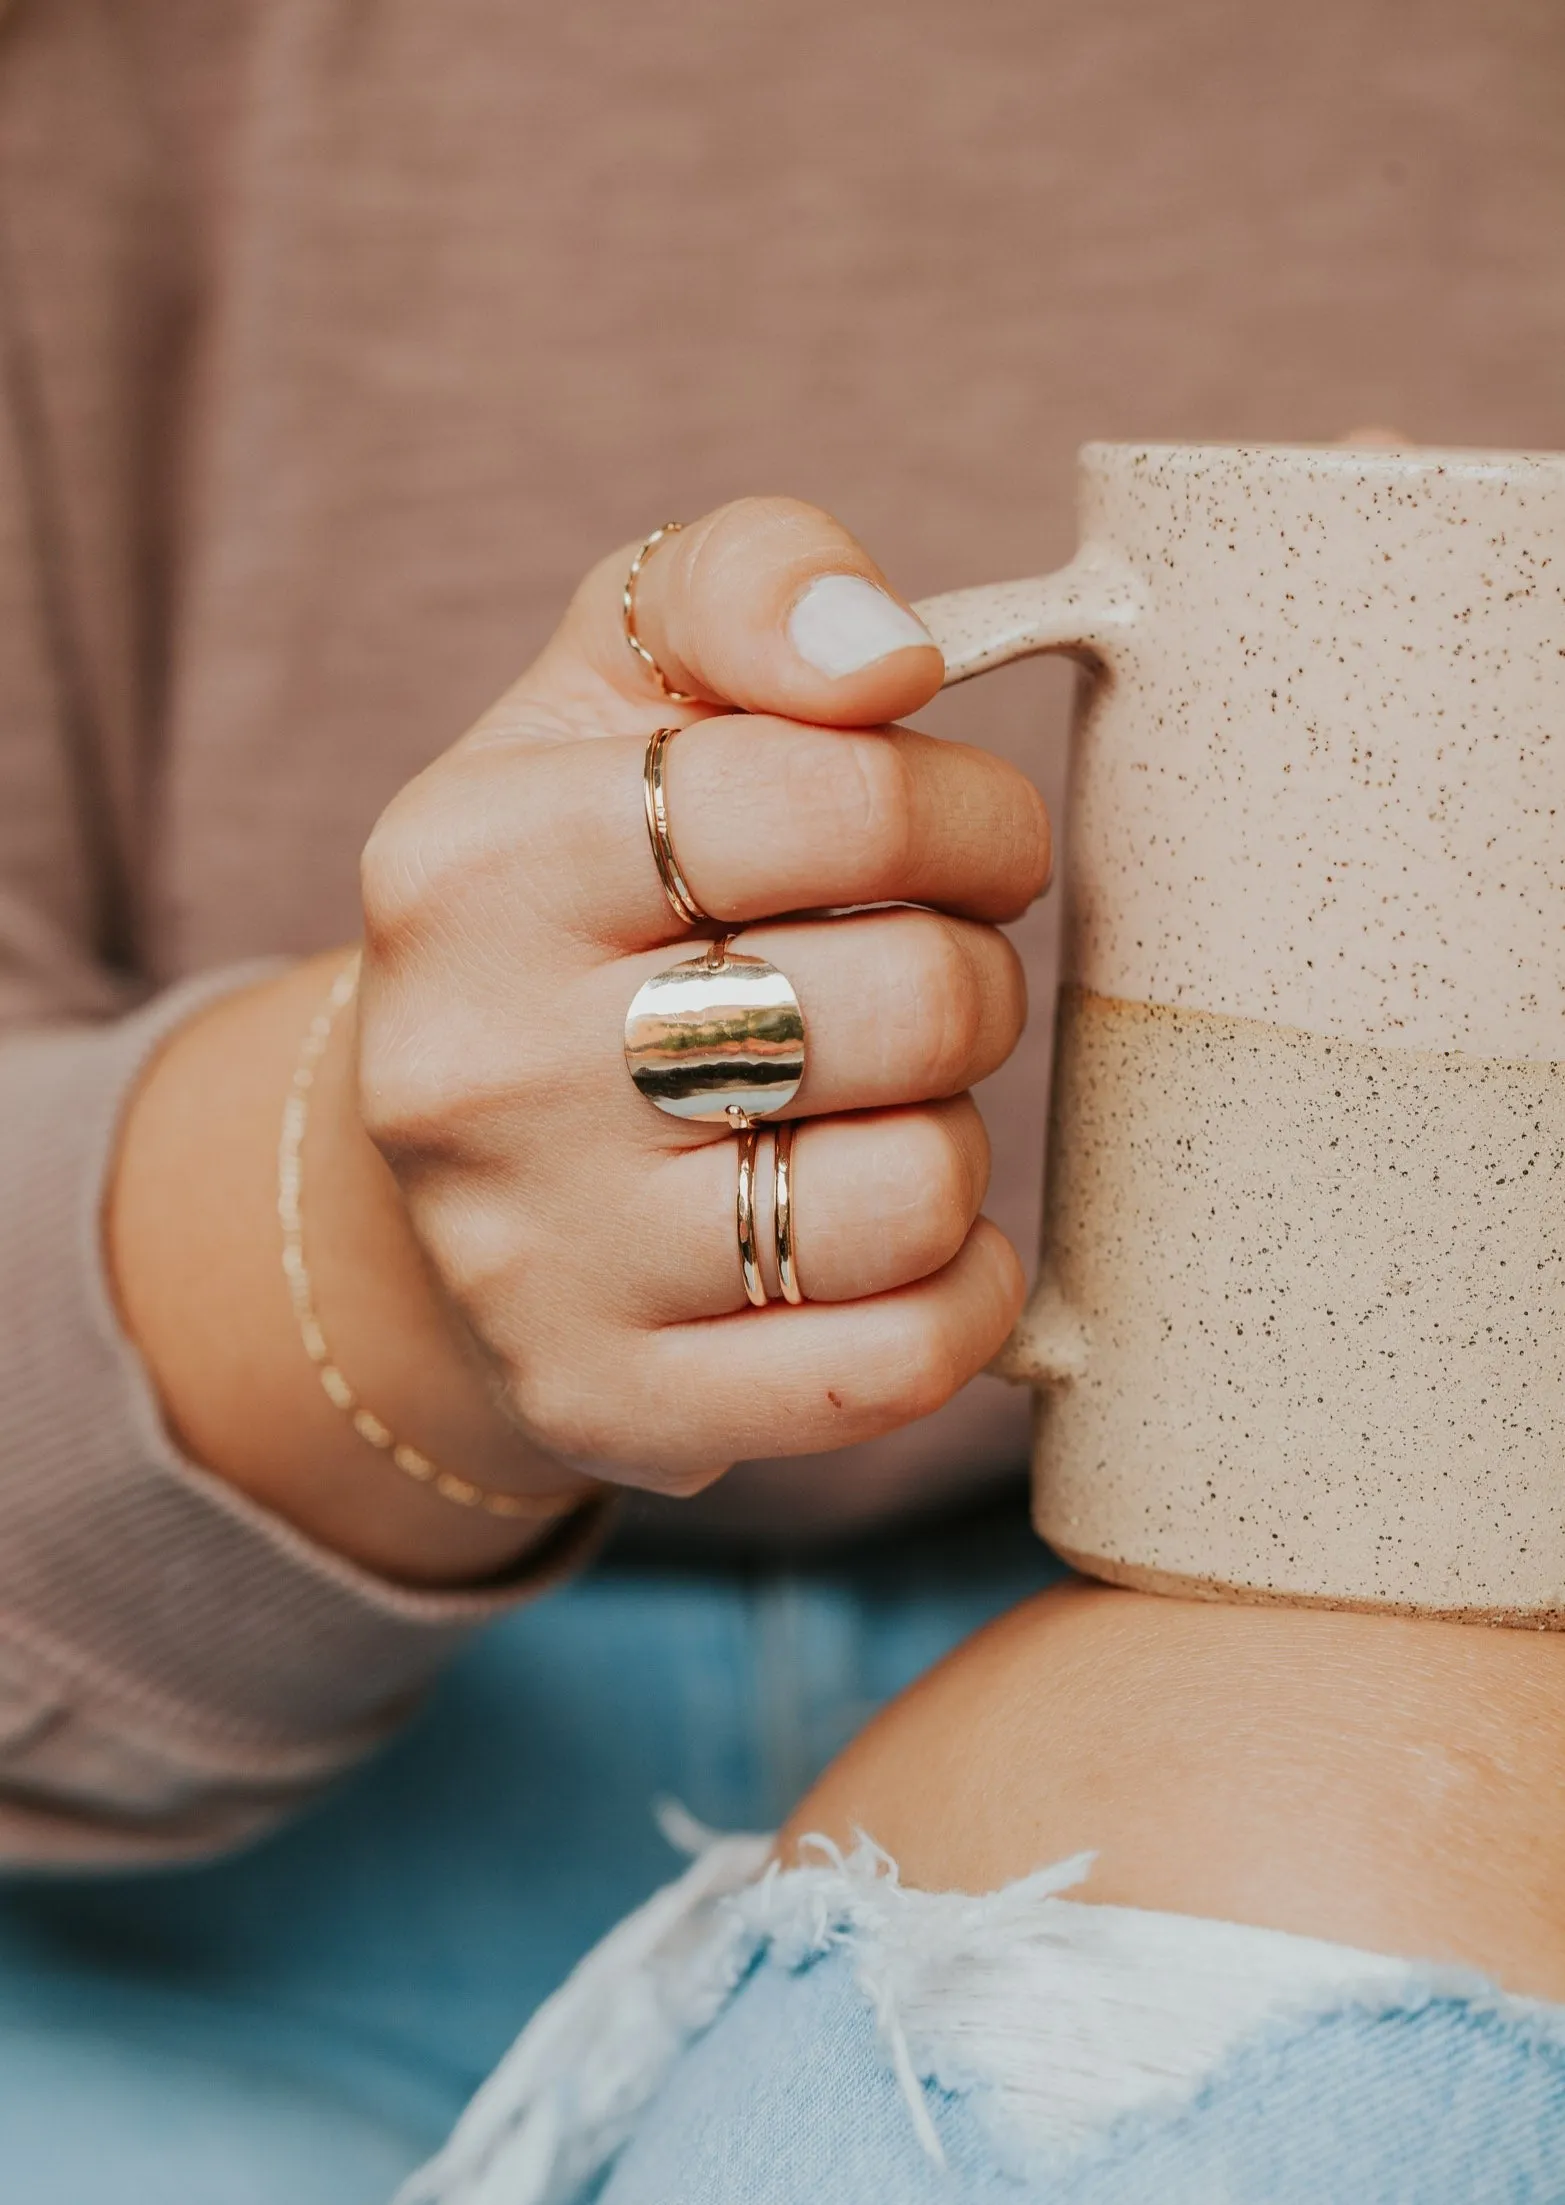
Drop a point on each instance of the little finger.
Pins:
(783, 1381)
(879, 1200)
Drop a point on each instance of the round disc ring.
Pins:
(718, 1040)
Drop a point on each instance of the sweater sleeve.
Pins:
(178, 1668)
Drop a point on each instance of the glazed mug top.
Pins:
(1321, 779)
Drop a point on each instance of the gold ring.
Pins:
(717, 1039)
(749, 1262)
(655, 795)
(782, 1212)
(628, 606)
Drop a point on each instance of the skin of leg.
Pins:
(1391, 1782)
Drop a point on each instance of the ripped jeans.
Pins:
(823, 2036)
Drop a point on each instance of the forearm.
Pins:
(194, 1249)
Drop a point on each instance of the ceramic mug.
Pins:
(1300, 1325)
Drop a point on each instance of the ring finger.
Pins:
(879, 1200)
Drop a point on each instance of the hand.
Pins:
(512, 909)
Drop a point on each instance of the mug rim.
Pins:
(1473, 461)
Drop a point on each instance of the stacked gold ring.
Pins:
(782, 1217)
(782, 1169)
(675, 886)
(717, 1038)
(749, 1261)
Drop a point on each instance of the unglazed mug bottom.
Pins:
(1278, 1395)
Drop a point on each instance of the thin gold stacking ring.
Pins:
(628, 606)
(654, 791)
(782, 1212)
(749, 1261)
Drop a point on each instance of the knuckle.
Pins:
(999, 991)
(412, 1099)
(946, 1187)
(949, 1002)
(480, 1253)
(873, 800)
(773, 522)
(433, 1087)
(417, 852)
(727, 557)
(392, 880)
(1023, 847)
(926, 1194)
(441, 843)
(402, 1110)
(933, 1370)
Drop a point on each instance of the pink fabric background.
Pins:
(341, 335)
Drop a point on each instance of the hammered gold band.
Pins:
(628, 607)
(655, 796)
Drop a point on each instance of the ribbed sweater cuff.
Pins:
(146, 1586)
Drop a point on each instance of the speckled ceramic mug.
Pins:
(1300, 1326)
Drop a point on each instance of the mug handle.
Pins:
(1085, 611)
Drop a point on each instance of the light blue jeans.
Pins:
(303, 2024)
(824, 2036)
(790, 2099)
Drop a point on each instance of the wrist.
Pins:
(195, 1251)
(399, 1360)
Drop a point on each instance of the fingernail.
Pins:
(843, 623)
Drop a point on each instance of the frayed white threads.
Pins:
(567, 2094)
(1062, 2018)
(858, 1899)
(1059, 2018)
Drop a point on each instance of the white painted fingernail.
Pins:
(843, 623)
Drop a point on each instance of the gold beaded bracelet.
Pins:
(290, 1211)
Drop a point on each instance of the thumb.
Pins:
(766, 605)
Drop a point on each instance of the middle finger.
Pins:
(900, 1006)
(880, 1199)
